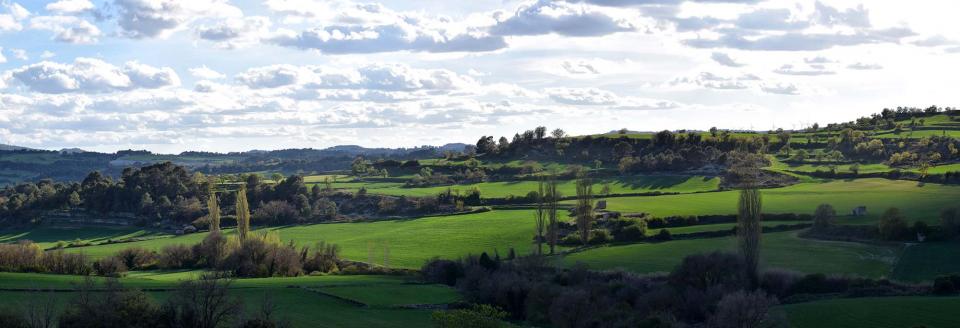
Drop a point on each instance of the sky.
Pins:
(234, 75)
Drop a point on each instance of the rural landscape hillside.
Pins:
(479, 164)
(863, 212)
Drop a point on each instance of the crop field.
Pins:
(310, 301)
(887, 312)
(399, 243)
(779, 250)
(918, 202)
(634, 184)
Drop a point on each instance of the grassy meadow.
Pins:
(310, 301)
(887, 312)
(779, 250)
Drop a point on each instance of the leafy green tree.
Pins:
(893, 225)
(950, 221)
(823, 216)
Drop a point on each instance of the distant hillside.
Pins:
(11, 147)
(18, 164)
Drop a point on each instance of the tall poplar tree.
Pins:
(213, 208)
(243, 213)
(749, 231)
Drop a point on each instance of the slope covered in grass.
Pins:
(888, 312)
(918, 201)
(778, 250)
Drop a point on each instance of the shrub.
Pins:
(705, 271)
(664, 235)
(276, 212)
(110, 266)
(823, 217)
(66, 263)
(571, 239)
(893, 225)
(600, 236)
(946, 285)
(442, 271)
(325, 258)
(135, 258)
(176, 257)
(111, 306)
(477, 316)
(634, 232)
(745, 310)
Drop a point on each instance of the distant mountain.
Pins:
(72, 151)
(11, 147)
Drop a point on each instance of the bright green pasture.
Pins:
(779, 250)
(843, 168)
(48, 237)
(396, 243)
(886, 312)
(917, 201)
(926, 261)
(633, 184)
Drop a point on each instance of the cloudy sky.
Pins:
(227, 75)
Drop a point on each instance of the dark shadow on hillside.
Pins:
(653, 182)
(51, 235)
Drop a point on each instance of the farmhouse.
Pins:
(860, 211)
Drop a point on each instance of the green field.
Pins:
(888, 312)
(303, 301)
(918, 202)
(634, 184)
(927, 260)
(779, 250)
(402, 243)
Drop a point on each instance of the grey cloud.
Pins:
(830, 16)
(545, 17)
(725, 60)
(800, 41)
(864, 67)
(769, 19)
(88, 75)
(781, 89)
(813, 70)
(384, 38)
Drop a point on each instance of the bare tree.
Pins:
(203, 303)
(39, 309)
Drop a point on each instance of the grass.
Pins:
(779, 250)
(634, 184)
(302, 307)
(397, 243)
(928, 260)
(888, 312)
(710, 227)
(918, 202)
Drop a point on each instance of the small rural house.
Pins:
(860, 211)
